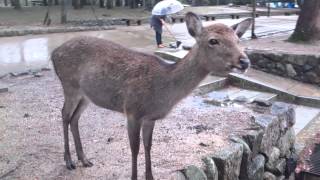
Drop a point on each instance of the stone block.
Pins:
(228, 161)
(273, 158)
(291, 72)
(279, 167)
(256, 168)
(177, 176)
(286, 114)
(286, 143)
(269, 176)
(210, 168)
(246, 157)
(253, 138)
(271, 126)
(194, 173)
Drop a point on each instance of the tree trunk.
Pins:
(56, 2)
(45, 2)
(63, 12)
(5, 2)
(109, 4)
(101, 3)
(16, 4)
(76, 4)
(118, 3)
(148, 5)
(308, 24)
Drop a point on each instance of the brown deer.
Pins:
(142, 86)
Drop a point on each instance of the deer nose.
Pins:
(244, 63)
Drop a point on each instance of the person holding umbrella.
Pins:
(156, 23)
(159, 12)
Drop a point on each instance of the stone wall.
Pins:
(305, 68)
(265, 152)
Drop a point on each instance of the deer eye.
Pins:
(213, 42)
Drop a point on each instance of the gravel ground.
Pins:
(31, 139)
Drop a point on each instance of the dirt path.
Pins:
(31, 145)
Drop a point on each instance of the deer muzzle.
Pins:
(244, 63)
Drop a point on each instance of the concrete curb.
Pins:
(47, 30)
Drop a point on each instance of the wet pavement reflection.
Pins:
(20, 54)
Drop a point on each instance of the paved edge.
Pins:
(43, 30)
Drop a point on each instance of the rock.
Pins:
(290, 70)
(26, 115)
(253, 139)
(281, 67)
(286, 143)
(210, 168)
(38, 74)
(273, 158)
(262, 102)
(291, 164)
(194, 173)
(312, 77)
(256, 168)
(246, 157)
(177, 176)
(3, 88)
(271, 125)
(286, 114)
(307, 67)
(281, 178)
(241, 99)
(228, 161)
(269, 176)
(45, 69)
(17, 74)
(279, 167)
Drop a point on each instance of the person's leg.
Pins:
(158, 38)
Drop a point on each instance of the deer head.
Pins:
(218, 45)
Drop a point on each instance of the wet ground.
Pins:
(31, 140)
(20, 54)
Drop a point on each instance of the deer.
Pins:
(142, 86)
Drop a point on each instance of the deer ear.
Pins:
(194, 24)
(242, 27)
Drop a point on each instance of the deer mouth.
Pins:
(238, 69)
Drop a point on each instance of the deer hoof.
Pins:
(70, 165)
(87, 163)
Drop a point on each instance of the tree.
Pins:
(308, 24)
(16, 4)
(63, 12)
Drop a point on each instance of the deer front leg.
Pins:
(147, 131)
(134, 127)
(76, 135)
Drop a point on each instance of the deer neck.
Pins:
(187, 74)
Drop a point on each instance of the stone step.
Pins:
(230, 95)
(287, 90)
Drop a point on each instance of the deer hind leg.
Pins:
(147, 131)
(134, 127)
(83, 103)
(70, 104)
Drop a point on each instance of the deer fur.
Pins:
(142, 86)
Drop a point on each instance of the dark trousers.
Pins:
(158, 38)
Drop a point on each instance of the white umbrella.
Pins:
(166, 7)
